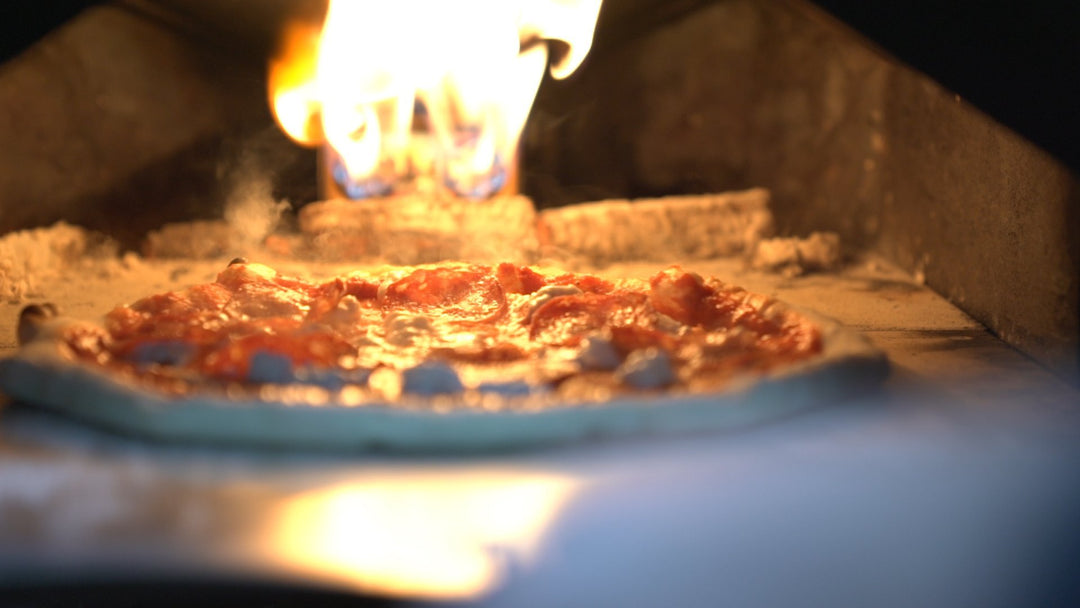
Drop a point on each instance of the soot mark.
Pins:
(879, 285)
(953, 339)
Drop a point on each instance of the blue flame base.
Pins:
(474, 187)
(359, 189)
(479, 186)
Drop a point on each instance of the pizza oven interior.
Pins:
(960, 242)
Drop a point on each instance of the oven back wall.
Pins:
(136, 113)
(775, 93)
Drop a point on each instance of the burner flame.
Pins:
(411, 90)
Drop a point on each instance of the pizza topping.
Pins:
(507, 330)
(431, 378)
(232, 358)
(678, 295)
(628, 338)
(276, 368)
(261, 300)
(519, 279)
(404, 329)
(668, 325)
(258, 291)
(482, 351)
(353, 319)
(793, 337)
(270, 368)
(564, 321)
(361, 288)
(162, 352)
(194, 316)
(176, 305)
(584, 282)
(545, 294)
(326, 297)
(465, 293)
(598, 353)
(332, 379)
(647, 368)
(721, 344)
(87, 341)
(733, 307)
(235, 276)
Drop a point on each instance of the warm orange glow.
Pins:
(472, 65)
(420, 535)
(292, 84)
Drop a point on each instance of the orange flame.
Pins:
(354, 84)
(291, 81)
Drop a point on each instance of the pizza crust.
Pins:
(42, 374)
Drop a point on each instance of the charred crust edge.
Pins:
(32, 316)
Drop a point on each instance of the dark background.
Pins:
(24, 21)
(1017, 61)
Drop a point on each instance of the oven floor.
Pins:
(956, 484)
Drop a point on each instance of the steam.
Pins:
(251, 211)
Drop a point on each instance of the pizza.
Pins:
(441, 356)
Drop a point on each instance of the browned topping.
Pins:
(491, 324)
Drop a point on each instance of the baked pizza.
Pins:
(444, 356)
